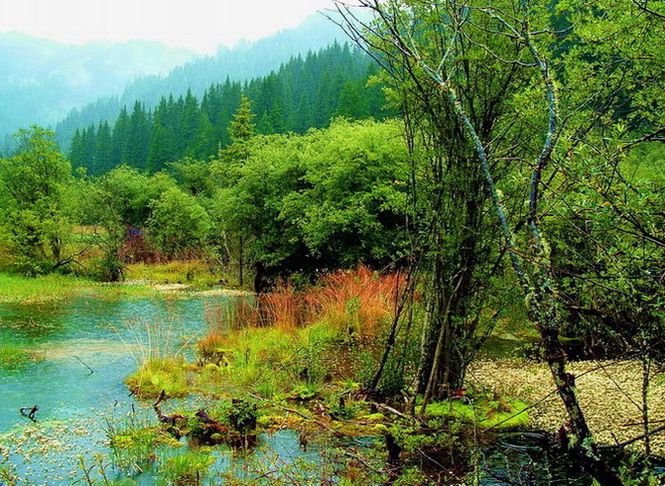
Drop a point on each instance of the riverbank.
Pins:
(610, 393)
(141, 281)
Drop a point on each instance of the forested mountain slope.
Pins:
(303, 93)
(240, 63)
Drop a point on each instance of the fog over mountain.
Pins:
(42, 80)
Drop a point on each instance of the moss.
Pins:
(499, 414)
(157, 374)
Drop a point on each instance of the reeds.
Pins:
(357, 300)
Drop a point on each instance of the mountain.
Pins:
(42, 80)
(243, 62)
(304, 93)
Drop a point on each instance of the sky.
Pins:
(200, 25)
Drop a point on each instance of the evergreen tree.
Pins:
(76, 153)
(104, 149)
(303, 94)
(138, 141)
(120, 137)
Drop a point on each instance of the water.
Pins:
(90, 345)
(87, 347)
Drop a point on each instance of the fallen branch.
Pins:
(31, 413)
(363, 462)
(632, 441)
(394, 411)
(162, 417)
(80, 361)
(635, 424)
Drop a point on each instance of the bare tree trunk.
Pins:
(241, 262)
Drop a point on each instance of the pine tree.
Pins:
(241, 128)
(76, 151)
(104, 149)
(138, 141)
(120, 137)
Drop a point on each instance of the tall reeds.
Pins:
(358, 300)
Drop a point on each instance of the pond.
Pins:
(89, 345)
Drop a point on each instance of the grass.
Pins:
(289, 342)
(169, 374)
(134, 443)
(12, 356)
(188, 469)
(194, 273)
(15, 289)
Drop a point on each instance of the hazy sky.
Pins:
(201, 25)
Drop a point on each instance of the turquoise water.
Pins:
(87, 347)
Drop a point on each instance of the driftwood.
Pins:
(31, 413)
(84, 364)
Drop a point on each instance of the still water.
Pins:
(89, 345)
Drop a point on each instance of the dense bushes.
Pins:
(290, 204)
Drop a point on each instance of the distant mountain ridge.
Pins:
(243, 62)
(307, 92)
(42, 80)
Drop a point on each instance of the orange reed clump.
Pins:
(359, 299)
(283, 308)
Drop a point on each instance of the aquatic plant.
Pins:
(134, 442)
(9, 477)
(189, 469)
(168, 374)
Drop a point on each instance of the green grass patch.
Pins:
(282, 364)
(190, 468)
(195, 274)
(15, 289)
(12, 356)
(484, 413)
(156, 374)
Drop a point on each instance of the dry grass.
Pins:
(357, 300)
(610, 394)
(360, 299)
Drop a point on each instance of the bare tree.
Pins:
(400, 38)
